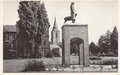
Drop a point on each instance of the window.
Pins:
(7, 37)
(56, 35)
(14, 36)
(44, 43)
(11, 45)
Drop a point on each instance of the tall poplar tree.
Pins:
(114, 40)
(31, 25)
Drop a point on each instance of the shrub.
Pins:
(55, 52)
(105, 62)
(110, 62)
(34, 65)
(49, 67)
(57, 66)
(49, 55)
(95, 58)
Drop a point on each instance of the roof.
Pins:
(10, 28)
(55, 27)
(53, 46)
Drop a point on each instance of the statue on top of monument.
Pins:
(73, 14)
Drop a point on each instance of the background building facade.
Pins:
(13, 46)
(55, 34)
(9, 41)
(55, 40)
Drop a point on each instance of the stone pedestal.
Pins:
(70, 31)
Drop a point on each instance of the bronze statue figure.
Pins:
(73, 14)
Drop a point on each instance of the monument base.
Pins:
(73, 31)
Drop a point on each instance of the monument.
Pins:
(75, 33)
(73, 14)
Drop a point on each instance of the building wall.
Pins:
(55, 36)
(9, 45)
(18, 44)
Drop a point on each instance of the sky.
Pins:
(99, 15)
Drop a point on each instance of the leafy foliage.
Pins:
(104, 42)
(95, 58)
(49, 55)
(93, 48)
(114, 40)
(34, 65)
(109, 42)
(32, 24)
(55, 52)
(110, 62)
(105, 62)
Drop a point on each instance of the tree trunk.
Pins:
(32, 51)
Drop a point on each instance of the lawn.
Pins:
(17, 65)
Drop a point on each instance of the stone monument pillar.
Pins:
(70, 31)
(75, 31)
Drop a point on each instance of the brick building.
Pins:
(9, 41)
(14, 47)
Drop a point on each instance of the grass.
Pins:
(17, 65)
